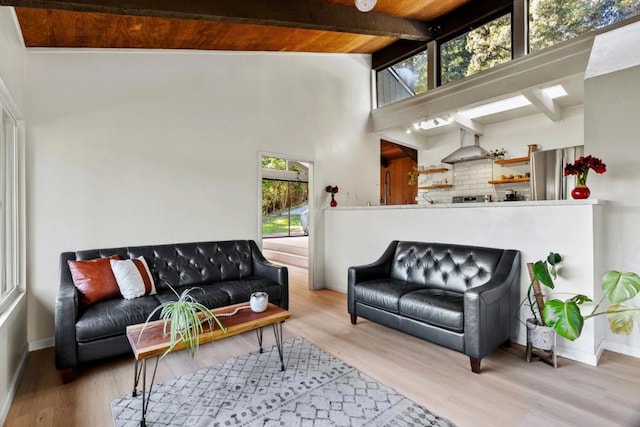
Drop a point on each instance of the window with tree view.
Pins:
(477, 50)
(549, 22)
(554, 21)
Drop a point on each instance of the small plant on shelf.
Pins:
(498, 154)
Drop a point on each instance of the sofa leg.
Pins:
(353, 319)
(67, 375)
(475, 365)
(506, 344)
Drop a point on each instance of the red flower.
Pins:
(330, 189)
(581, 167)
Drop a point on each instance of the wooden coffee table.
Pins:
(152, 342)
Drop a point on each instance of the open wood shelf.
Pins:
(436, 170)
(514, 161)
(433, 187)
(509, 181)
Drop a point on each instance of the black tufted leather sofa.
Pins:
(228, 272)
(461, 297)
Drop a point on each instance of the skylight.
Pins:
(496, 107)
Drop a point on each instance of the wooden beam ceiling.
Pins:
(283, 13)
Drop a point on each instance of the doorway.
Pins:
(396, 163)
(285, 215)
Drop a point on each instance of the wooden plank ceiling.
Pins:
(237, 25)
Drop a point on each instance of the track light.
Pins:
(365, 5)
(431, 123)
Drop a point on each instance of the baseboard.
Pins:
(625, 349)
(6, 405)
(40, 344)
(342, 290)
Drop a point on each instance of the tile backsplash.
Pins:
(471, 178)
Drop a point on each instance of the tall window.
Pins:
(554, 21)
(549, 22)
(9, 205)
(477, 50)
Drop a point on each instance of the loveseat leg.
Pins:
(475, 365)
(67, 375)
(353, 319)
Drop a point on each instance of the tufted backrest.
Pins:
(444, 266)
(187, 264)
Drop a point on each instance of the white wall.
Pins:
(136, 147)
(13, 322)
(612, 108)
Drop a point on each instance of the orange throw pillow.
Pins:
(94, 279)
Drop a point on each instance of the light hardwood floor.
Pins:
(507, 392)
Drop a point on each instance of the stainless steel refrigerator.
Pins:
(547, 172)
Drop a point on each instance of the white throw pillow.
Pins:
(130, 275)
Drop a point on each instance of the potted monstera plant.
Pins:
(183, 321)
(565, 317)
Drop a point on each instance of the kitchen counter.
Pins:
(355, 235)
(523, 203)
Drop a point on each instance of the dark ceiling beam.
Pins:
(465, 18)
(281, 13)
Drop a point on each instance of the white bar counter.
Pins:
(357, 235)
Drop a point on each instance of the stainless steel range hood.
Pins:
(469, 149)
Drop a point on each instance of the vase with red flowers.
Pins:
(333, 190)
(580, 168)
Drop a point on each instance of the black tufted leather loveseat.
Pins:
(461, 297)
(228, 272)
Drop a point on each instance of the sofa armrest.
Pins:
(489, 310)
(66, 314)
(378, 269)
(277, 273)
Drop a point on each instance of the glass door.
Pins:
(285, 198)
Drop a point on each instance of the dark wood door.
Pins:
(396, 162)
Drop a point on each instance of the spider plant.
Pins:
(183, 321)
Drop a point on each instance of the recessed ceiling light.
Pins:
(365, 5)
(496, 107)
(554, 92)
